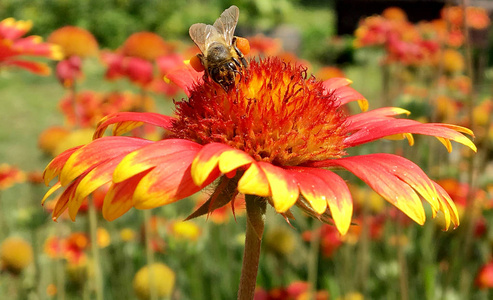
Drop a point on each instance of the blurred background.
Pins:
(432, 58)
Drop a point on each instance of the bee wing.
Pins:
(198, 34)
(203, 35)
(226, 23)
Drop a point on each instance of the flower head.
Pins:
(15, 254)
(157, 276)
(277, 134)
(136, 60)
(145, 45)
(484, 278)
(10, 175)
(13, 47)
(75, 41)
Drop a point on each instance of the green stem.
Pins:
(313, 258)
(93, 231)
(149, 254)
(255, 209)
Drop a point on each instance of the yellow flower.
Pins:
(280, 241)
(103, 237)
(453, 61)
(185, 230)
(127, 234)
(15, 254)
(158, 276)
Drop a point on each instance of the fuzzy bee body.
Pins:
(220, 57)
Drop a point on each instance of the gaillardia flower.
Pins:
(277, 135)
(77, 43)
(14, 48)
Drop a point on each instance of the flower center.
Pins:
(274, 113)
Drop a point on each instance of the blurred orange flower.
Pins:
(10, 175)
(394, 13)
(476, 17)
(77, 43)
(484, 279)
(74, 41)
(13, 47)
(136, 60)
(145, 45)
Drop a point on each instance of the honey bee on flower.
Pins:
(222, 55)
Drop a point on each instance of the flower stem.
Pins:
(255, 208)
(93, 231)
(150, 254)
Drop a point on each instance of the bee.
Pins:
(221, 57)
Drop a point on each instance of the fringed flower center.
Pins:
(274, 113)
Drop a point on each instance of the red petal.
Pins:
(32, 66)
(358, 121)
(382, 178)
(185, 77)
(171, 180)
(97, 152)
(119, 198)
(129, 120)
(151, 156)
(283, 186)
(321, 187)
(207, 161)
(339, 88)
(374, 130)
(54, 168)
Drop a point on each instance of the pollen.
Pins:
(275, 113)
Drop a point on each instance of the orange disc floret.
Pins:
(145, 45)
(243, 45)
(75, 41)
(275, 114)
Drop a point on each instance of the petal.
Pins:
(119, 198)
(360, 120)
(321, 187)
(207, 161)
(152, 155)
(126, 121)
(98, 152)
(94, 179)
(54, 168)
(410, 173)
(339, 88)
(63, 202)
(185, 77)
(32, 66)
(283, 186)
(386, 182)
(170, 181)
(448, 207)
(53, 189)
(233, 159)
(374, 130)
(254, 182)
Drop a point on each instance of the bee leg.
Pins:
(240, 54)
